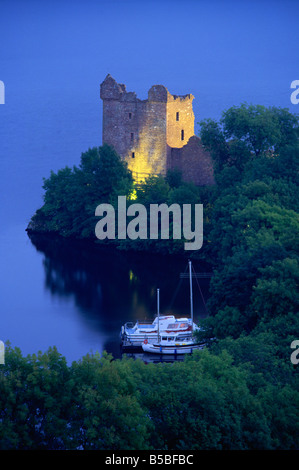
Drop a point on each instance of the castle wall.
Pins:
(117, 126)
(150, 146)
(156, 134)
(193, 161)
(136, 128)
(180, 120)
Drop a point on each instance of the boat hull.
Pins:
(171, 349)
(137, 340)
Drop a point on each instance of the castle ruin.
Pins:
(154, 135)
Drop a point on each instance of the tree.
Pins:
(72, 195)
(174, 178)
(248, 131)
(261, 129)
(236, 396)
(154, 190)
(254, 221)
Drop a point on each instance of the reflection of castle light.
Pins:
(153, 135)
(133, 195)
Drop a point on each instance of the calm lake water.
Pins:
(77, 296)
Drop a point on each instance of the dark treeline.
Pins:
(241, 393)
(213, 400)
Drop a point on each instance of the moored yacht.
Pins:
(172, 345)
(133, 335)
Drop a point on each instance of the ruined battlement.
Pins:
(143, 132)
(180, 97)
(111, 90)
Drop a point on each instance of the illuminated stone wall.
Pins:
(180, 120)
(136, 128)
(146, 132)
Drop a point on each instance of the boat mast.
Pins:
(191, 294)
(158, 310)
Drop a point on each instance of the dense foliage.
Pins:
(207, 402)
(72, 194)
(254, 224)
(242, 393)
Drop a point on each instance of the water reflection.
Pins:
(110, 287)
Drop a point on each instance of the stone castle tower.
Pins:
(156, 134)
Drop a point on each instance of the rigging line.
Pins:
(200, 291)
(176, 291)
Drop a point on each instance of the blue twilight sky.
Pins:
(223, 52)
(55, 53)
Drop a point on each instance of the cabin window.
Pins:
(173, 326)
(130, 115)
(177, 116)
(182, 134)
(183, 325)
(133, 154)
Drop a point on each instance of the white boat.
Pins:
(133, 335)
(155, 358)
(172, 345)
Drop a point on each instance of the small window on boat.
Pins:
(173, 326)
(164, 338)
(183, 325)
